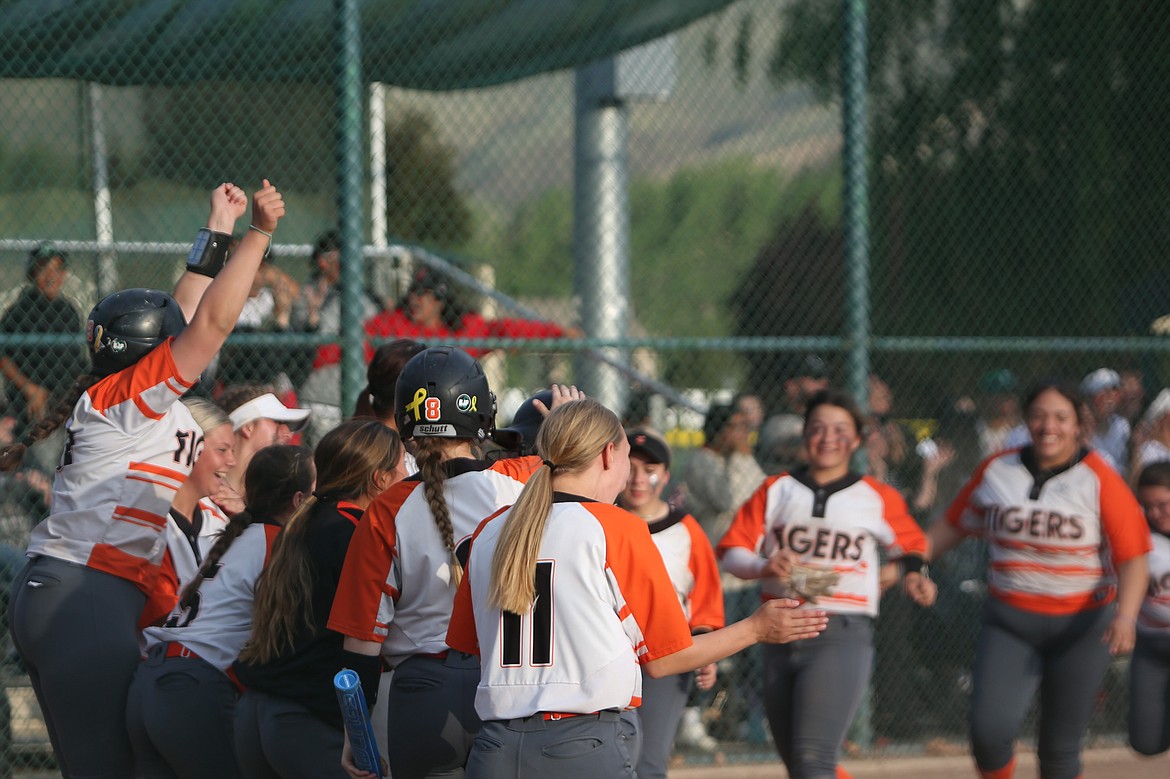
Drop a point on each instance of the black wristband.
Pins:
(913, 564)
(368, 669)
(209, 253)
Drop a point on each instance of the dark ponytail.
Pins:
(274, 476)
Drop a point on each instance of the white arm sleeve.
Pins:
(744, 563)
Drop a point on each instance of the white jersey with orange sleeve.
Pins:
(396, 586)
(183, 557)
(604, 605)
(1054, 537)
(1154, 618)
(690, 561)
(218, 624)
(836, 526)
(129, 447)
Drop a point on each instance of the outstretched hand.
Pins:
(561, 394)
(267, 207)
(228, 203)
(779, 621)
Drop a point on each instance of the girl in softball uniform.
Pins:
(565, 597)
(690, 562)
(194, 521)
(129, 447)
(183, 697)
(401, 571)
(1066, 539)
(1149, 668)
(827, 519)
(288, 723)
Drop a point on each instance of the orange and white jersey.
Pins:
(1154, 618)
(129, 447)
(837, 526)
(397, 586)
(218, 624)
(690, 562)
(604, 605)
(1054, 537)
(182, 560)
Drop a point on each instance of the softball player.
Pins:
(194, 521)
(830, 521)
(1149, 669)
(1065, 539)
(288, 723)
(183, 698)
(565, 596)
(129, 447)
(690, 562)
(401, 571)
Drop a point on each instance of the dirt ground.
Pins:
(1106, 763)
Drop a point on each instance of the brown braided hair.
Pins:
(429, 455)
(12, 455)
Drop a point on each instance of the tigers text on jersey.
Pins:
(396, 586)
(220, 621)
(129, 447)
(837, 526)
(1054, 537)
(690, 561)
(1154, 618)
(604, 605)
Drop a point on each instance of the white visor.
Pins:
(269, 407)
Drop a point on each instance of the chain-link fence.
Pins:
(667, 228)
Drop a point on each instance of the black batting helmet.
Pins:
(443, 393)
(520, 436)
(126, 325)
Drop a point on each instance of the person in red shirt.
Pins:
(428, 313)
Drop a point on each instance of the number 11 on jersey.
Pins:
(540, 625)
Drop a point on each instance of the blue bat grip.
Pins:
(356, 716)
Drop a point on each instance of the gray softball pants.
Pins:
(1019, 652)
(589, 746)
(663, 701)
(77, 630)
(179, 716)
(812, 689)
(277, 738)
(431, 720)
(1149, 695)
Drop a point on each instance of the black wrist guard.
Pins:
(209, 253)
(369, 671)
(914, 564)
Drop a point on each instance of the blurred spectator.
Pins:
(888, 445)
(40, 308)
(638, 409)
(1109, 432)
(949, 457)
(1133, 395)
(318, 310)
(428, 312)
(752, 408)
(724, 473)
(999, 412)
(1152, 436)
(781, 442)
(268, 309)
(809, 376)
